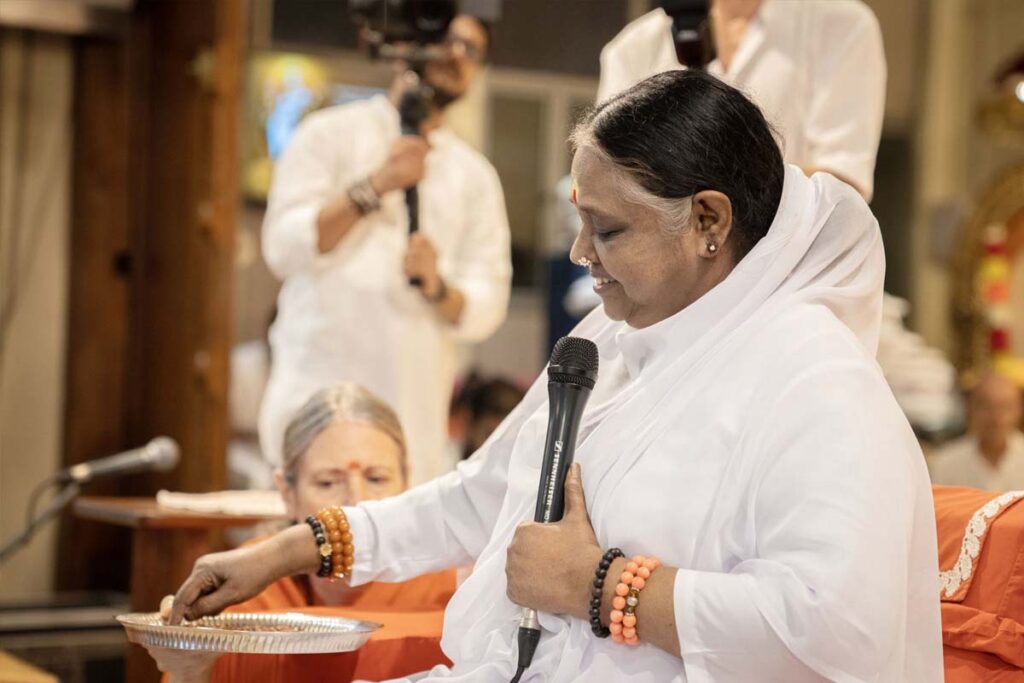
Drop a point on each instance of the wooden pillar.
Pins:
(155, 201)
(100, 292)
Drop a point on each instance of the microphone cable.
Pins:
(65, 496)
(528, 639)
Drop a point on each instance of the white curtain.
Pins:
(35, 163)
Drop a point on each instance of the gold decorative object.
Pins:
(1000, 212)
(1001, 114)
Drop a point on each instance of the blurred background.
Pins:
(137, 141)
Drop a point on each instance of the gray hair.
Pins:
(675, 213)
(347, 402)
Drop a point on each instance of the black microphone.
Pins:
(159, 455)
(413, 109)
(692, 32)
(572, 373)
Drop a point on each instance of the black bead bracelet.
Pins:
(600, 574)
(321, 540)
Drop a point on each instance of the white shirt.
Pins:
(815, 67)
(749, 440)
(960, 463)
(350, 315)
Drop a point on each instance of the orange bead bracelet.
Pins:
(339, 541)
(627, 596)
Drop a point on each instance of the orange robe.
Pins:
(428, 592)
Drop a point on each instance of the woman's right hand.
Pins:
(220, 580)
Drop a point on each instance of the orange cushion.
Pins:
(983, 603)
(967, 666)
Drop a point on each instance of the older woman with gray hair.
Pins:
(741, 447)
(344, 446)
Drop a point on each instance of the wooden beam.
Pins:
(156, 197)
(100, 290)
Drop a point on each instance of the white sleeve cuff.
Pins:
(685, 608)
(364, 539)
(290, 241)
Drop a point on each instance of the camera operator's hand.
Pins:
(421, 263)
(404, 166)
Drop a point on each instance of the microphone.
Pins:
(572, 373)
(159, 455)
(413, 109)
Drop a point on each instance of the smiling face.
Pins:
(644, 270)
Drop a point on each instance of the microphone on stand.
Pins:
(572, 373)
(159, 455)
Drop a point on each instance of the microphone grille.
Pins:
(164, 453)
(574, 360)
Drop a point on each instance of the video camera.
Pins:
(410, 30)
(691, 31)
(413, 32)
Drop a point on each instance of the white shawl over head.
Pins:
(750, 441)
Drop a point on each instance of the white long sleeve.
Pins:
(826, 594)
(303, 182)
(482, 270)
(847, 100)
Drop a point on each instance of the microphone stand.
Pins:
(66, 495)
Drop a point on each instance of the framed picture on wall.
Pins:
(283, 89)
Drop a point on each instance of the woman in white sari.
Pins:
(739, 430)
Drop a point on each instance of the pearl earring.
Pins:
(712, 247)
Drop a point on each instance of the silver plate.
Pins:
(230, 632)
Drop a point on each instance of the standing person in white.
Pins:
(336, 233)
(739, 430)
(816, 68)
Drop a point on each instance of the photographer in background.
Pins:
(336, 233)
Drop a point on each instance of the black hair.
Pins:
(496, 397)
(684, 131)
(482, 396)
